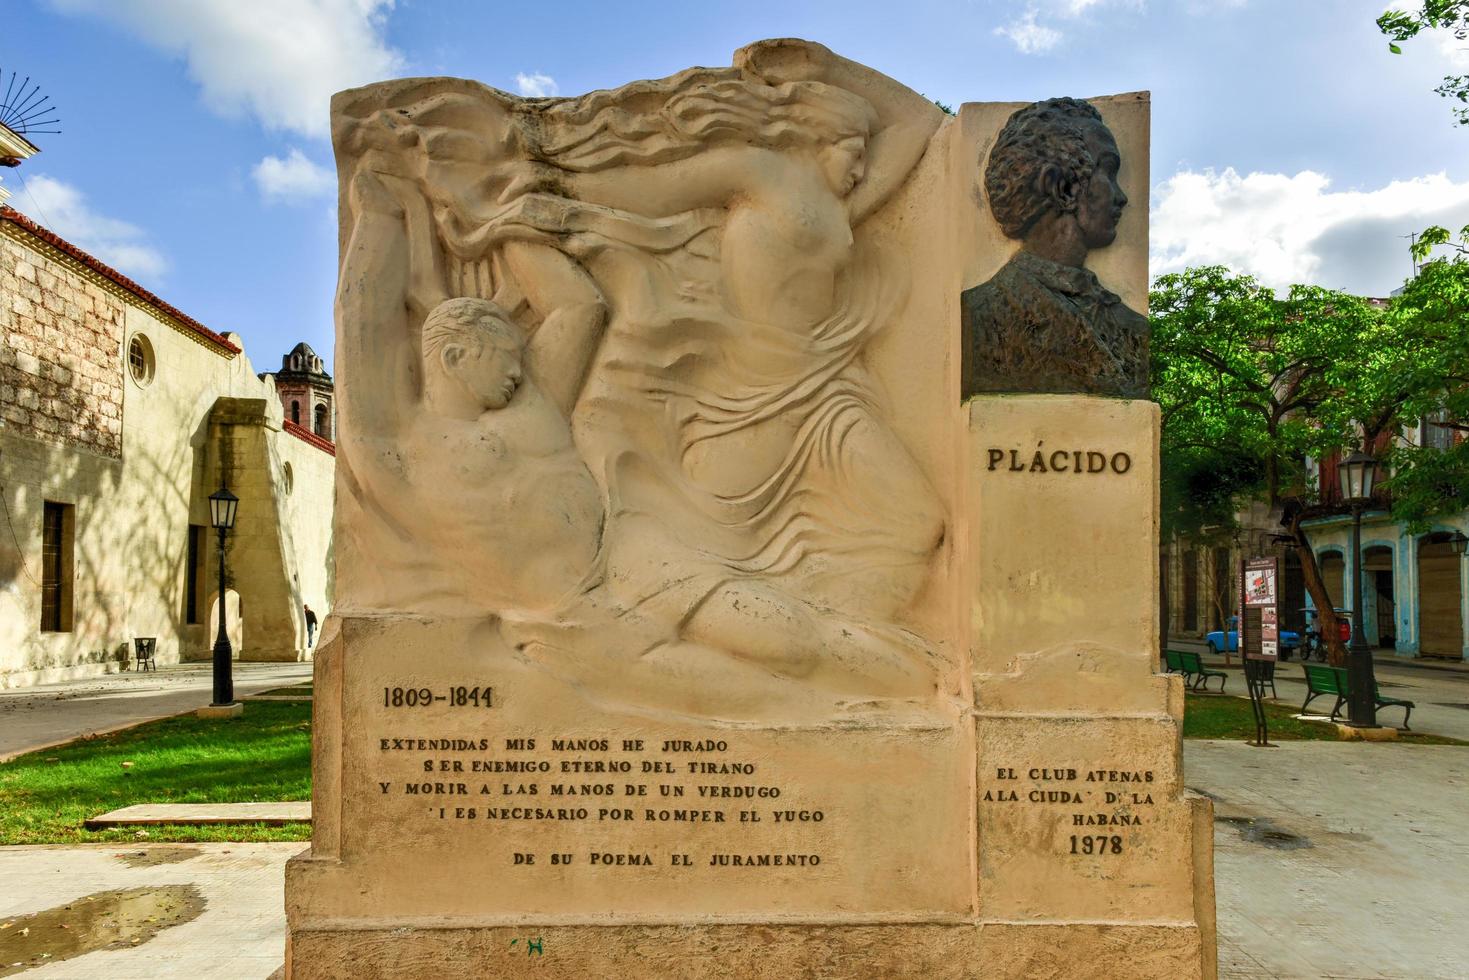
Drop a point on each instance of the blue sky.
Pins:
(1287, 141)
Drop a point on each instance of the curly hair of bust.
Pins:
(468, 321)
(1048, 133)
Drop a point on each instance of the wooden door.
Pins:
(1440, 614)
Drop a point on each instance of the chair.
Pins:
(143, 647)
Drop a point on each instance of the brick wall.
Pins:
(60, 363)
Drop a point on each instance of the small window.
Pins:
(1434, 431)
(323, 422)
(296, 412)
(140, 360)
(57, 539)
(288, 477)
(192, 571)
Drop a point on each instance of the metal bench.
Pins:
(143, 647)
(1321, 679)
(1191, 665)
(1334, 680)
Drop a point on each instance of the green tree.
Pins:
(1450, 15)
(1251, 385)
(1432, 314)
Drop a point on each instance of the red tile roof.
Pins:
(101, 268)
(306, 435)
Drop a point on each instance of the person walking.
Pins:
(310, 625)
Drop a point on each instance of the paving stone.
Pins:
(152, 814)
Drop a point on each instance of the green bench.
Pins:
(1322, 679)
(1191, 666)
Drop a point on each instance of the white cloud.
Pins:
(1035, 31)
(292, 178)
(1028, 36)
(63, 209)
(1286, 229)
(277, 60)
(536, 84)
(1454, 50)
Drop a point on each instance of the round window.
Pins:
(140, 360)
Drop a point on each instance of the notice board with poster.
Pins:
(1259, 626)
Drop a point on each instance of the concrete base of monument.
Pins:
(477, 816)
(931, 950)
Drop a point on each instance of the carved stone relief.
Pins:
(607, 375)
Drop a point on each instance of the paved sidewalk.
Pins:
(34, 717)
(1337, 859)
(240, 935)
(1381, 657)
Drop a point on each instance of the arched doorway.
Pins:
(1440, 598)
(234, 623)
(1379, 608)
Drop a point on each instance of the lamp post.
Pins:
(1358, 473)
(222, 506)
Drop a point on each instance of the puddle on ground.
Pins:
(106, 920)
(1262, 830)
(154, 856)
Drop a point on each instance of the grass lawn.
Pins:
(262, 756)
(1220, 716)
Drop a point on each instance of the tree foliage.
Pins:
(1433, 316)
(1449, 15)
(1252, 384)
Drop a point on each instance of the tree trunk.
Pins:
(1336, 651)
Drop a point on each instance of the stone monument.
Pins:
(747, 541)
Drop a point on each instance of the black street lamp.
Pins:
(1458, 543)
(222, 506)
(1358, 473)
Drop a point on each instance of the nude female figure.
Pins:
(793, 165)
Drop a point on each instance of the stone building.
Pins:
(119, 415)
(306, 391)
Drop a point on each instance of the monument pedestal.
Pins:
(476, 815)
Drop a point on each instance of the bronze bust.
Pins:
(1044, 323)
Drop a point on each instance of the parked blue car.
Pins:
(1289, 640)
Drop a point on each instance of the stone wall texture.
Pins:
(63, 331)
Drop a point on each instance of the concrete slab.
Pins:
(152, 814)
